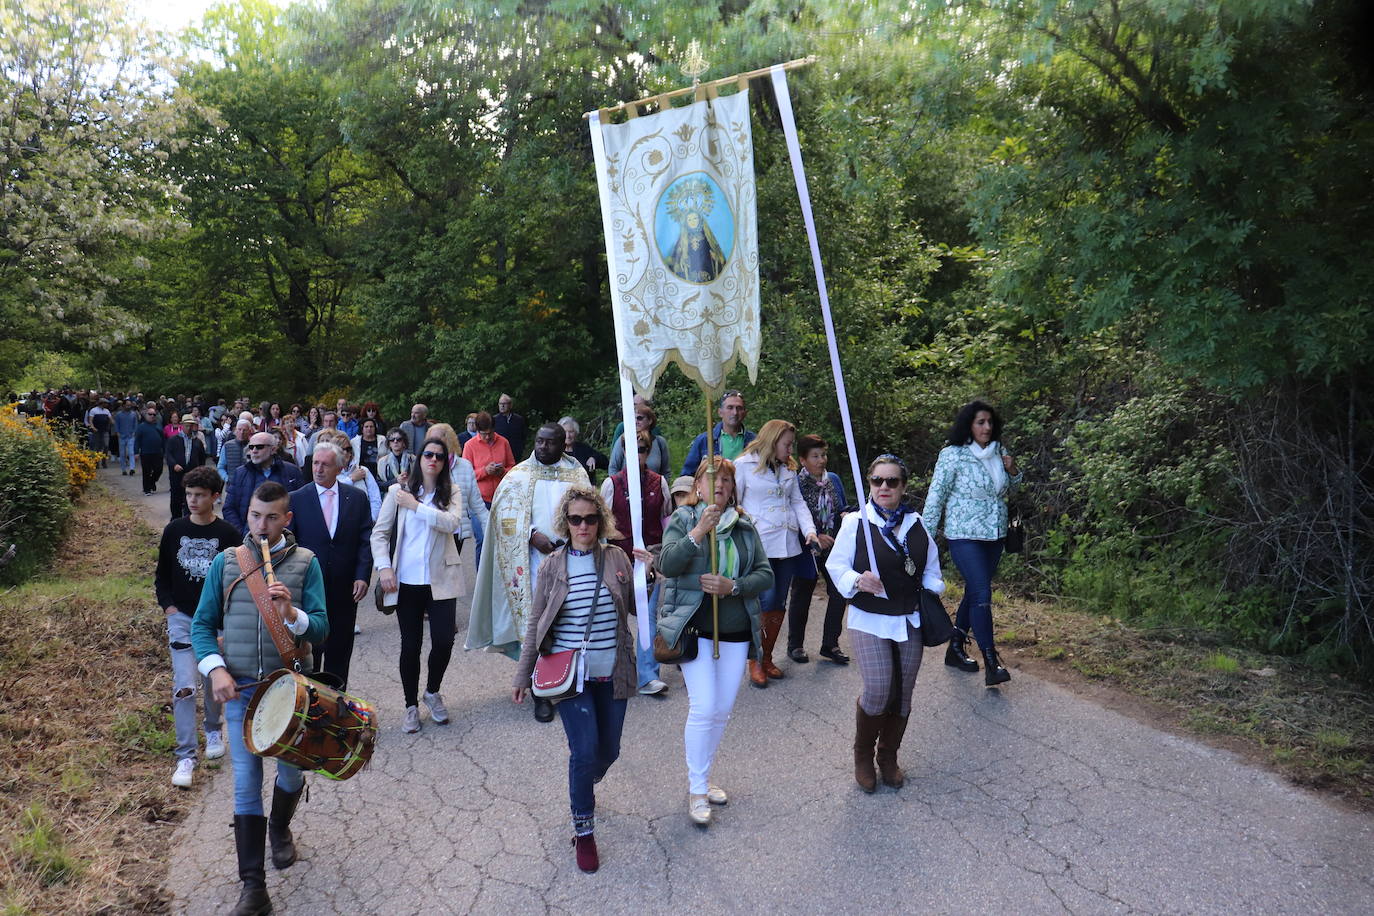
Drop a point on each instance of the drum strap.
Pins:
(291, 654)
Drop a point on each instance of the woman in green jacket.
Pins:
(684, 612)
(969, 491)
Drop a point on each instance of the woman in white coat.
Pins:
(421, 573)
(766, 483)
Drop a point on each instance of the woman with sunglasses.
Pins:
(685, 612)
(573, 608)
(395, 464)
(421, 574)
(658, 460)
(884, 613)
(968, 491)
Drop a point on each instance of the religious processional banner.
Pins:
(677, 188)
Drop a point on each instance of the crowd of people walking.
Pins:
(732, 546)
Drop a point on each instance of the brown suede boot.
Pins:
(772, 626)
(866, 729)
(757, 676)
(889, 740)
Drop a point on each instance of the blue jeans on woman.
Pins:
(977, 562)
(592, 721)
(784, 568)
(247, 765)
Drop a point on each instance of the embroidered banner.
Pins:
(678, 201)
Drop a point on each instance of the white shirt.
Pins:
(331, 519)
(840, 565)
(413, 565)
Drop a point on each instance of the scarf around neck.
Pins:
(727, 554)
(990, 457)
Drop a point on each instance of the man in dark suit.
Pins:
(182, 452)
(262, 465)
(334, 521)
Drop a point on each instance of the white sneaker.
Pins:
(699, 809)
(412, 722)
(438, 712)
(214, 745)
(653, 688)
(186, 768)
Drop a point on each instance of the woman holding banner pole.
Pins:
(685, 613)
(884, 614)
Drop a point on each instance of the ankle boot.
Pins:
(956, 656)
(866, 730)
(279, 826)
(772, 626)
(757, 676)
(994, 674)
(250, 840)
(889, 740)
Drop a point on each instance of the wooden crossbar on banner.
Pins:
(709, 89)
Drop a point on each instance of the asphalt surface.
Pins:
(1024, 799)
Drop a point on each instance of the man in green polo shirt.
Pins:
(729, 435)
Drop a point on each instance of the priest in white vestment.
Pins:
(519, 536)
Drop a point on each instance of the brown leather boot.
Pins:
(866, 730)
(757, 676)
(772, 626)
(889, 740)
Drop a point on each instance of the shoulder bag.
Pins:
(555, 674)
(936, 627)
(684, 651)
(379, 593)
(1015, 541)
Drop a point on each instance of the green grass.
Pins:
(40, 850)
(1220, 661)
(148, 730)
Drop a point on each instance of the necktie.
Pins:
(329, 511)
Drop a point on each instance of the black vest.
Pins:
(903, 591)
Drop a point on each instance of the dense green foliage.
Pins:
(1142, 227)
(34, 497)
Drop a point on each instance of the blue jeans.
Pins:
(186, 683)
(478, 533)
(592, 721)
(645, 665)
(775, 599)
(977, 562)
(247, 765)
(126, 453)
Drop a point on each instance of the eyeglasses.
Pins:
(433, 456)
(258, 446)
(577, 521)
(891, 482)
(644, 450)
(395, 439)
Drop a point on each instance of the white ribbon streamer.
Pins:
(789, 129)
(627, 400)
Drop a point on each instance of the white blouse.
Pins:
(774, 503)
(840, 565)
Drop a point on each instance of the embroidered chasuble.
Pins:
(524, 501)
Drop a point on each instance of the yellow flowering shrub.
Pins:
(42, 470)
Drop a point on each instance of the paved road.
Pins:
(1023, 800)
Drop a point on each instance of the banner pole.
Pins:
(711, 486)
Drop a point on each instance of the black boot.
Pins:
(995, 673)
(956, 656)
(250, 839)
(543, 709)
(279, 826)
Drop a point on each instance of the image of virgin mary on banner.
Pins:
(683, 240)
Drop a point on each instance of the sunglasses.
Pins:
(433, 456)
(577, 521)
(256, 447)
(644, 451)
(891, 482)
(395, 439)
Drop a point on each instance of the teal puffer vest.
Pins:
(248, 648)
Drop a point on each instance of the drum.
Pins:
(310, 725)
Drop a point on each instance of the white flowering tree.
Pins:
(88, 113)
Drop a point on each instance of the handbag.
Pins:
(936, 627)
(1015, 541)
(379, 593)
(555, 673)
(684, 651)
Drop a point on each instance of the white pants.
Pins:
(712, 685)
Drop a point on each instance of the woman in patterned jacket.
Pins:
(968, 492)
